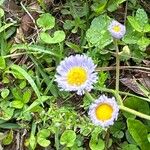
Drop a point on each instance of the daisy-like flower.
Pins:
(76, 73)
(104, 111)
(116, 29)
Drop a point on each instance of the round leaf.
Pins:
(41, 137)
(58, 37)
(4, 93)
(68, 138)
(17, 104)
(46, 21)
(97, 145)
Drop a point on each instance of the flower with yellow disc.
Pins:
(76, 73)
(116, 29)
(104, 111)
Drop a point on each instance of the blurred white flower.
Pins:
(116, 29)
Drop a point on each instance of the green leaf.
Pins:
(130, 147)
(148, 137)
(95, 142)
(6, 26)
(41, 137)
(4, 93)
(17, 104)
(146, 28)
(139, 133)
(27, 96)
(2, 136)
(98, 35)
(141, 17)
(69, 24)
(73, 46)
(28, 78)
(68, 138)
(37, 102)
(22, 85)
(33, 48)
(143, 42)
(131, 36)
(6, 111)
(135, 24)
(32, 141)
(119, 134)
(129, 138)
(1, 12)
(97, 145)
(99, 7)
(58, 37)
(8, 139)
(17, 94)
(114, 4)
(2, 63)
(10, 126)
(46, 21)
(136, 104)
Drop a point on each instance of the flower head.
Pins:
(116, 29)
(104, 111)
(76, 73)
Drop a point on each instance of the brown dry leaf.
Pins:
(27, 24)
(19, 38)
(132, 85)
(145, 4)
(13, 9)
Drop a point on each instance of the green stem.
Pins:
(134, 112)
(129, 94)
(118, 97)
(122, 93)
(117, 65)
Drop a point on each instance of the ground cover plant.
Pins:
(74, 75)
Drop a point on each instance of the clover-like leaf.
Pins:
(46, 21)
(141, 17)
(17, 104)
(68, 138)
(140, 21)
(41, 137)
(27, 96)
(6, 111)
(4, 93)
(97, 144)
(97, 35)
(58, 37)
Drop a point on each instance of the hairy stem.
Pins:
(117, 65)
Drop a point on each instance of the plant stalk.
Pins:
(134, 112)
(117, 65)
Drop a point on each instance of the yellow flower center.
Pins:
(104, 112)
(116, 28)
(76, 76)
